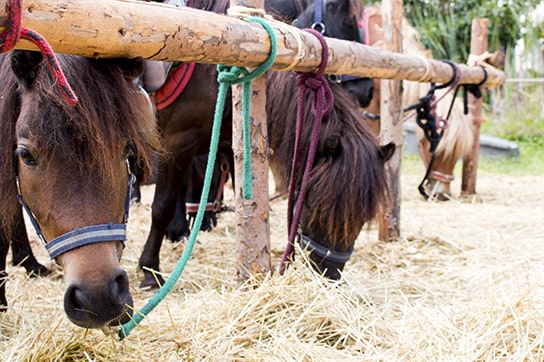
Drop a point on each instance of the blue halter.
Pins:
(81, 236)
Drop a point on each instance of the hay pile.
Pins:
(465, 283)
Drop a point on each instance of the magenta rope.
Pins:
(14, 31)
(322, 103)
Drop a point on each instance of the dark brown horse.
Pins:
(67, 165)
(334, 211)
(340, 19)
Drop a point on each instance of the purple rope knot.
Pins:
(14, 31)
(311, 81)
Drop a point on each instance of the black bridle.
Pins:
(81, 236)
(319, 25)
(323, 252)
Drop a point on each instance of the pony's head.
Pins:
(340, 19)
(68, 166)
(347, 182)
(346, 187)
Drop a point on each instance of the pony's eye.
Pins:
(26, 156)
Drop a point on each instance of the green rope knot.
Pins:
(227, 76)
(230, 75)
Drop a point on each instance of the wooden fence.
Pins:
(124, 28)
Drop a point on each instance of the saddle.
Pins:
(174, 85)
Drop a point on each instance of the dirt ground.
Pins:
(465, 282)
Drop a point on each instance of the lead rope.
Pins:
(227, 77)
(14, 31)
(323, 101)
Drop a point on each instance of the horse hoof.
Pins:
(441, 196)
(37, 270)
(177, 236)
(151, 282)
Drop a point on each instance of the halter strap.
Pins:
(318, 24)
(85, 236)
(81, 236)
(327, 254)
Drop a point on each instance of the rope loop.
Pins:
(454, 76)
(230, 75)
(14, 31)
(473, 89)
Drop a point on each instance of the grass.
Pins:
(530, 161)
(516, 113)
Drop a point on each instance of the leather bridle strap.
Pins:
(81, 236)
(327, 254)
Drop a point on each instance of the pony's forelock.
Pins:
(89, 134)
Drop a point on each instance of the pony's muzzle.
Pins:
(101, 304)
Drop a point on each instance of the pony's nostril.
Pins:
(77, 302)
(120, 287)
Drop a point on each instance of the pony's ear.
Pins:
(387, 151)
(131, 68)
(26, 65)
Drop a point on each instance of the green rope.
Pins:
(231, 75)
(227, 76)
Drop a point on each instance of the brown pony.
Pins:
(346, 184)
(67, 164)
(457, 138)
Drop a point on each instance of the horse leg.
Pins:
(163, 209)
(21, 250)
(4, 246)
(179, 227)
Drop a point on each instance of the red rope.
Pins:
(14, 31)
(323, 100)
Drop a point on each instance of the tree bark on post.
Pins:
(478, 46)
(105, 29)
(252, 216)
(391, 123)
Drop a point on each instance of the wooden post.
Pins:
(252, 216)
(391, 123)
(478, 45)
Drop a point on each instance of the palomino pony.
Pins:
(67, 166)
(334, 212)
(457, 138)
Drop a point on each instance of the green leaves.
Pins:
(445, 26)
